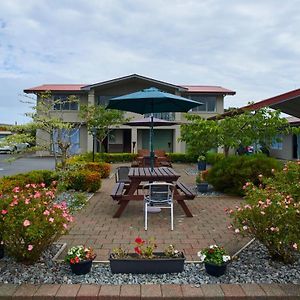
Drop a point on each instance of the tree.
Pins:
(200, 135)
(53, 133)
(100, 120)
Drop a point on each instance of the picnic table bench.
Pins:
(126, 193)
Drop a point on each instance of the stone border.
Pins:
(154, 291)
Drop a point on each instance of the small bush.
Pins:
(83, 180)
(7, 183)
(272, 213)
(103, 157)
(230, 174)
(182, 158)
(214, 157)
(102, 168)
(30, 221)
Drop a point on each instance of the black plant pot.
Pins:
(1, 251)
(82, 267)
(202, 187)
(215, 270)
(160, 264)
(201, 165)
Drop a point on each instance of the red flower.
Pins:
(77, 259)
(139, 241)
(211, 251)
(137, 250)
(72, 261)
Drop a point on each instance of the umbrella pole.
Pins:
(151, 144)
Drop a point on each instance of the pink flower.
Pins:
(46, 213)
(65, 226)
(30, 247)
(37, 195)
(3, 211)
(27, 201)
(295, 246)
(16, 189)
(262, 212)
(43, 184)
(26, 223)
(27, 185)
(51, 220)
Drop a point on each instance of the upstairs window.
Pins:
(62, 102)
(209, 103)
(104, 100)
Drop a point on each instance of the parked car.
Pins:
(14, 148)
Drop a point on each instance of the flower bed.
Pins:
(253, 266)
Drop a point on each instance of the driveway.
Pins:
(24, 164)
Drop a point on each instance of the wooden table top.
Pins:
(157, 173)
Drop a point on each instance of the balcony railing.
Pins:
(168, 116)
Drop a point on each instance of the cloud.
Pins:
(252, 47)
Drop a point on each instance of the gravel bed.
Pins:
(252, 266)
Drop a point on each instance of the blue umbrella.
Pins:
(151, 101)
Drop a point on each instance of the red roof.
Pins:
(55, 87)
(208, 89)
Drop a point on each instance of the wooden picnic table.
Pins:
(126, 193)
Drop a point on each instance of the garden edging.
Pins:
(167, 291)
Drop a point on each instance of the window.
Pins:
(169, 116)
(62, 102)
(277, 143)
(67, 135)
(104, 100)
(209, 103)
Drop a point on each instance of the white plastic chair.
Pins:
(158, 194)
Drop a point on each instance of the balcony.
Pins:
(168, 116)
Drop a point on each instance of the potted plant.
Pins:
(80, 259)
(201, 162)
(145, 260)
(202, 185)
(215, 259)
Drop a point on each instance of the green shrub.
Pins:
(182, 158)
(7, 183)
(83, 180)
(271, 214)
(30, 221)
(103, 157)
(214, 157)
(230, 174)
(102, 168)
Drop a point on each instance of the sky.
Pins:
(251, 47)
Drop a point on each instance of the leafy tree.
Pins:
(200, 134)
(100, 120)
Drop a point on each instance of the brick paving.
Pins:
(170, 291)
(94, 225)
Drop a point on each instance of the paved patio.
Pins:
(94, 225)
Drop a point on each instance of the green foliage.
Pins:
(100, 120)
(200, 135)
(182, 158)
(104, 157)
(230, 174)
(214, 254)
(30, 221)
(213, 157)
(272, 213)
(79, 253)
(7, 183)
(82, 180)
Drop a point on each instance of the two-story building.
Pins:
(126, 138)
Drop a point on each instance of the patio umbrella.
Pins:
(147, 122)
(152, 100)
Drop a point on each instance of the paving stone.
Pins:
(171, 291)
(151, 291)
(253, 291)
(46, 292)
(67, 291)
(109, 292)
(233, 291)
(88, 292)
(212, 291)
(130, 292)
(291, 290)
(7, 290)
(191, 292)
(273, 290)
(25, 291)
